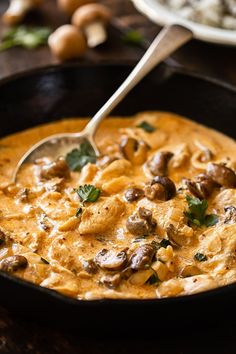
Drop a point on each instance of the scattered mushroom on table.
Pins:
(18, 9)
(92, 19)
(67, 42)
(69, 6)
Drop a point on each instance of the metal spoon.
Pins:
(166, 42)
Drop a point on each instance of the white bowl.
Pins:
(163, 16)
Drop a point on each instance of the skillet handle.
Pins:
(167, 41)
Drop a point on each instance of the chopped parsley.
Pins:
(78, 158)
(153, 279)
(197, 212)
(78, 212)
(25, 36)
(200, 257)
(133, 37)
(146, 126)
(164, 243)
(88, 193)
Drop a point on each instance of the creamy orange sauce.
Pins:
(38, 216)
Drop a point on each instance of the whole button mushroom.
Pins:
(222, 175)
(161, 188)
(92, 19)
(18, 9)
(69, 6)
(134, 193)
(67, 42)
(13, 263)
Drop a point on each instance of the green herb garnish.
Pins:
(78, 158)
(133, 37)
(200, 257)
(164, 243)
(88, 193)
(147, 127)
(78, 212)
(153, 279)
(197, 212)
(25, 36)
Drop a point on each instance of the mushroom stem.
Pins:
(95, 33)
(18, 9)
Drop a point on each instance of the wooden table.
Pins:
(19, 336)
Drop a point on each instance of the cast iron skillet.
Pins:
(63, 91)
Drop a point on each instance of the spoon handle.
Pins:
(166, 42)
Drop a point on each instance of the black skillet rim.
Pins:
(222, 291)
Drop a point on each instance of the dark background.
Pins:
(21, 336)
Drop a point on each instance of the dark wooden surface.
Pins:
(20, 336)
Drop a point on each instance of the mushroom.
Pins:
(92, 19)
(190, 270)
(222, 175)
(202, 186)
(111, 281)
(159, 163)
(142, 257)
(109, 260)
(176, 238)
(69, 6)
(133, 150)
(2, 238)
(162, 188)
(230, 214)
(58, 168)
(67, 42)
(13, 263)
(18, 9)
(141, 223)
(133, 194)
(90, 266)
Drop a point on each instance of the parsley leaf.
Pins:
(25, 36)
(78, 158)
(211, 220)
(146, 126)
(133, 37)
(197, 212)
(88, 193)
(200, 257)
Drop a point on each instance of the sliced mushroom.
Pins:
(190, 270)
(176, 238)
(142, 257)
(222, 175)
(202, 186)
(13, 263)
(90, 266)
(141, 223)
(111, 281)
(230, 215)
(133, 194)
(159, 163)
(133, 150)
(110, 260)
(2, 238)
(141, 277)
(161, 188)
(58, 168)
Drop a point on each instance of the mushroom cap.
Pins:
(69, 6)
(87, 14)
(67, 42)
